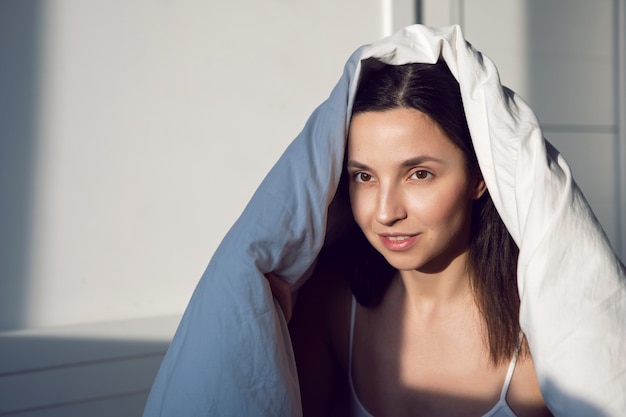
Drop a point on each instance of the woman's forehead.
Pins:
(397, 131)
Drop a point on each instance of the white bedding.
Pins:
(231, 355)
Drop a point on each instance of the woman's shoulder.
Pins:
(524, 395)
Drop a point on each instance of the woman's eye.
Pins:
(362, 177)
(421, 174)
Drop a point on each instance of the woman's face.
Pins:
(410, 190)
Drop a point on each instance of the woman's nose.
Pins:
(391, 207)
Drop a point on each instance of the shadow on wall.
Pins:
(98, 370)
(19, 48)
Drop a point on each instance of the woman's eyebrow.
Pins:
(418, 160)
(356, 165)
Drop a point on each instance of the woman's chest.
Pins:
(446, 370)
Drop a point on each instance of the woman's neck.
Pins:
(427, 291)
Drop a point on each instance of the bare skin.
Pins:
(433, 366)
(423, 350)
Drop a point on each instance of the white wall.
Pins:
(132, 133)
(141, 130)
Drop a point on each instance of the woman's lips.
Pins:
(397, 242)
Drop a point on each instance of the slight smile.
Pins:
(398, 242)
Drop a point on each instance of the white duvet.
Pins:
(231, 355)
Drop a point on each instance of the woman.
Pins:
(232, 353)
(430, 327)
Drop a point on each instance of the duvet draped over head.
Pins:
(231, 355)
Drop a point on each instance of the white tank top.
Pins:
(501, 409)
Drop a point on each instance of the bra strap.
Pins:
(509, 373)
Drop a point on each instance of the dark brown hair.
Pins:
(433, 90)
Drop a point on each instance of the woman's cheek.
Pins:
(358, 204)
